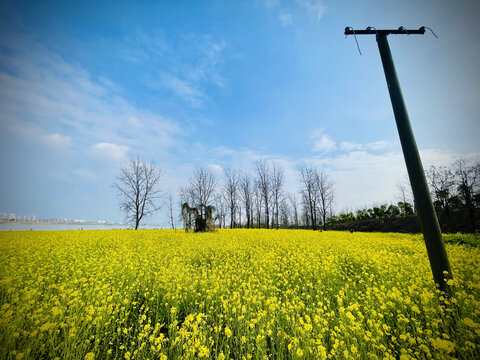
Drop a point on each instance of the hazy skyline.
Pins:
(183, 84)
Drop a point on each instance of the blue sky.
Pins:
(215, 83)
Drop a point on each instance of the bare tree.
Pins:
(258, 203)
(468, 177)
(221, 207)
(317, 193)
(246, 193)
(138, 190)
(239, 212)
(264, 185)
(294, 205)
(202, 188)
(197, 198)
(170, 209)
(309, 183)
(284, 212)
(306, 221)
(404, 190)
(325, 195)
(230, 190)
(405, 195)
(442, 181)
(276, 184)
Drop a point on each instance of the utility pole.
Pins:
(426, 212)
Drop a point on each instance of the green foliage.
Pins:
(462, 239)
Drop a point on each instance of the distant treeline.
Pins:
(455, 194)
(406, 224)
(257, 199)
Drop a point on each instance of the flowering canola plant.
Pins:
(232, 294)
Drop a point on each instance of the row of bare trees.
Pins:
(258, 199)
(233, 199)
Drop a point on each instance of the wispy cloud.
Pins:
(313, 7)
(33, 133)
(271, 3)
(377, 145)
(349, 146)
(184, 89)
(44, 97)
(188, 63)
(285, 18)
(57, 140)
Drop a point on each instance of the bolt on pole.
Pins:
(426, 212)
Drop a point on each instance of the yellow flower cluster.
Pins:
(232, 294)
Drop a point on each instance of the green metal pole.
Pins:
(426, 212)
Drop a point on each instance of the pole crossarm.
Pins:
(372, 31)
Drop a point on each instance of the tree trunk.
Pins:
(267, 218)
(312, 218)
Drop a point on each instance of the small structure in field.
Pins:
(199, 218)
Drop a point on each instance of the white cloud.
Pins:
(135, 122)
(349, 146)
(34, 133)
(56, 140)
(217, 169)
(271, 3)
(184, 89)
(362, 178)
(377, 145)
(313, 7)
(352, 146)
(285, 18)
(41, 95)
(322, 143)
(142, 47)
(109, 151)
(189, 62)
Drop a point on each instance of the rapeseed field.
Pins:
(232, 294)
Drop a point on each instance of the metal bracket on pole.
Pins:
(372, 31)
(426, 212)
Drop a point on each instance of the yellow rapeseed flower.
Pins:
(121, 290)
